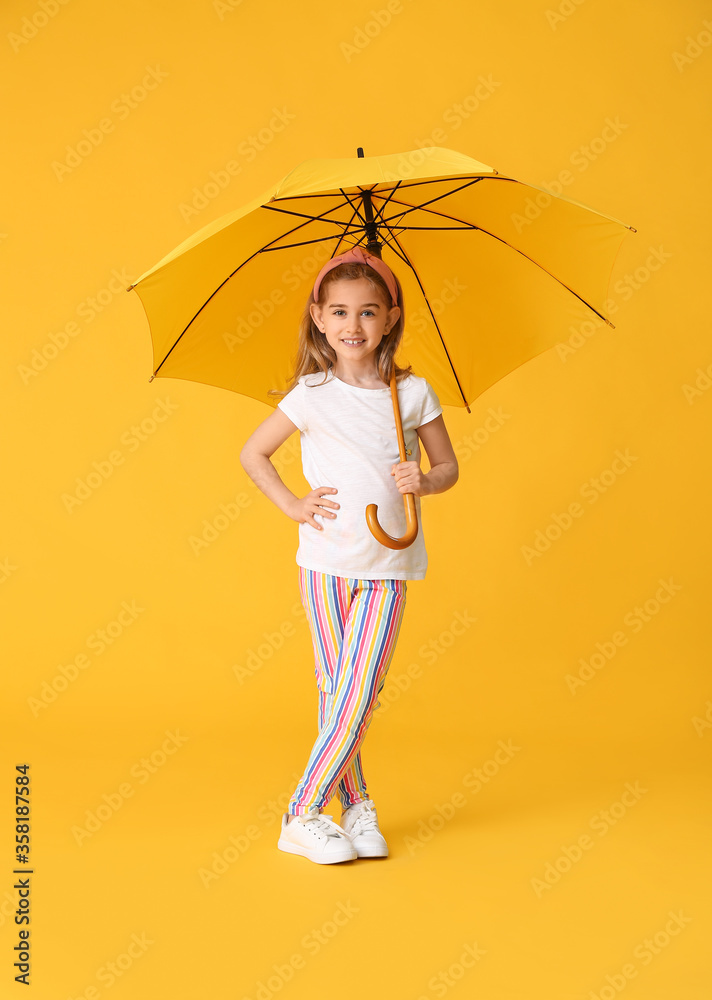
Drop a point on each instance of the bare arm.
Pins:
(444, 470)
(255, 460)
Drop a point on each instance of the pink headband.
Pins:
(359, 256)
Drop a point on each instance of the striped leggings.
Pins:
(354, 625)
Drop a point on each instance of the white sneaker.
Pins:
(316, 837)
(360, 822)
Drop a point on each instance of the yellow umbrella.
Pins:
(493, 272)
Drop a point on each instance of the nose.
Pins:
(353, 324)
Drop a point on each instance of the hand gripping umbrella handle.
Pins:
(411, 518)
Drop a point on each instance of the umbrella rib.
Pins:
(406, 259)
(436, 229)
(347, 226)
(355, 207)
(430, 211)
(442, 340)
(494, 176)
(318, 218)
(378, 214)
(400, 183)
(190, 323)
(304, 243)
(391, 194)
(251, 257)
(346, 229)
(322, 217)
(304, 215)
(318, 239)
(464, 225)
(266, 248)
(386, 223)
(511, 246)
(390, 230)
(410, 208)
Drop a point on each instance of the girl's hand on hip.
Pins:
(410, 478)
(313, 503)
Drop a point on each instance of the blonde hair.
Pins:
(315, 354)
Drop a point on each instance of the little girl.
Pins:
(352, 587)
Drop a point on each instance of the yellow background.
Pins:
(467, 864)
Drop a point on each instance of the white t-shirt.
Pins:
(349, 441)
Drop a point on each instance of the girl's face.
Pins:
(354, 318)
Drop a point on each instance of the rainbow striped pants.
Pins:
(354, 625)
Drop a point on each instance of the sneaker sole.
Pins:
(304, 852)
(373, 852)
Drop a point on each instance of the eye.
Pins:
(338, 312)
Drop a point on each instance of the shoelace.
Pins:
(323, 824)
(366, 821)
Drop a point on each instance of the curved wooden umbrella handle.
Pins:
(411, 518)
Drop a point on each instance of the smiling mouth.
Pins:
(353, 343)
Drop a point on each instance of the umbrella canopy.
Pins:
(494, 271)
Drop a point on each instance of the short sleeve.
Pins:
(430, 407)
(294, 406)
